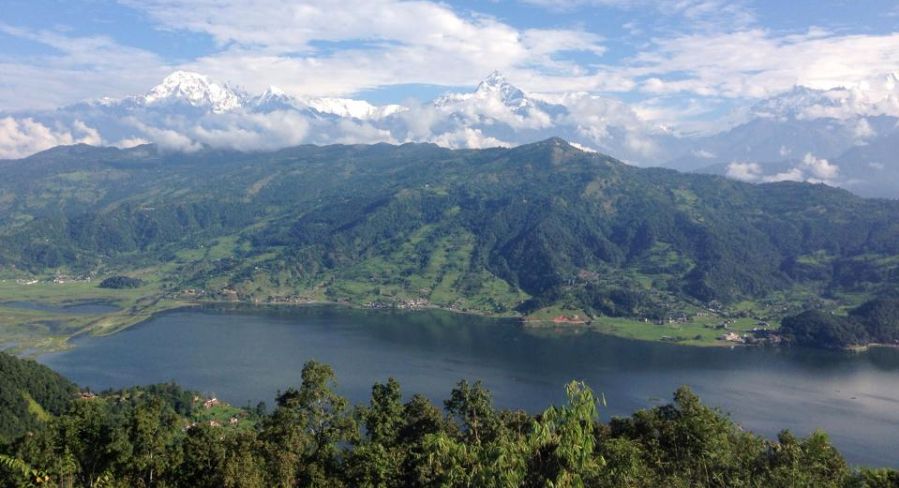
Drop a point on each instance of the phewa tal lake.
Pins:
(246, 355)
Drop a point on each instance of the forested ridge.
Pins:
(148, 436)
(29, 392)
(491, 230)
(873, 322)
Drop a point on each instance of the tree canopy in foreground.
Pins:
(145, 437)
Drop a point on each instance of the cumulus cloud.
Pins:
(167, 139)
(602, 121)
(22, 137)
(810, 169)
(384, 42)
(129, 142)
(240, 130)
(704, 13)
(819, 170)
(756, 63)
(744, 171)
(358, 132)
(467, 137)
(707, 50)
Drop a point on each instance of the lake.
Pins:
(245, 355)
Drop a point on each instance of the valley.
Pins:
(547, 233)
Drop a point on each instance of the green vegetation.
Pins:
(506, 232)
(874, 322)
(29, 394)
(37, 316)
(120, 282)
(151, 436)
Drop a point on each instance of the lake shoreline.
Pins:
(243, 352)
(561, 328)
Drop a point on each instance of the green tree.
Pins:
(152, 430)
(307, 429)
(563, 441)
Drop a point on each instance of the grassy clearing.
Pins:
(700, 331)
(224, 415)
(696, 333)
(35, 408)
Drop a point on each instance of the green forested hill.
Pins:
(493, 230)
(29, 394)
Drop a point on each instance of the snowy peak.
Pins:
(194, 89)
(493, 90)
(872, 97)
(495, 85)
(273, 92)
(493, 81)
(274, 98)
(794, 103)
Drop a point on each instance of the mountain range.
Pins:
(494, 230)
(842, 137)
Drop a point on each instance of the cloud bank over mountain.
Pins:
(846, 136)
(187, 111)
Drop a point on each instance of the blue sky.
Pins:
(673, 59)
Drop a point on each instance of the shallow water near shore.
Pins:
(88, 307)
(246, 354)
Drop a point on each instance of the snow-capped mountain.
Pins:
(189, 110)
(794, 135)
(196, 90)
(273, 98)
(878, 96)
(276, 99)
(494, 88)
(853, 130)
(499, 110)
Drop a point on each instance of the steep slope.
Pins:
(491, 230)
(29, 392)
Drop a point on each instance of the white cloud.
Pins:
(359, 132)
(594, 117)
(129, 142)
(756, 63)
(792, 174)
(810, 169)
(700, 13)
(247, 132)
(582, 147)
(22, 137)
(467, 137)
(382, 42)
(744, 171)
(167, 139)
(79, 68)
(238, 130)
(819, 170)
(863, 131)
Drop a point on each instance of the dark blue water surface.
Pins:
(245, 355)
